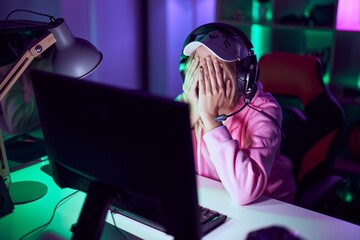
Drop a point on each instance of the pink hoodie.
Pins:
(244, 153)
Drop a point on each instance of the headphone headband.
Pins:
(222, 27)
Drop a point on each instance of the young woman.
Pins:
(236, 126)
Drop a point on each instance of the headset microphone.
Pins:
(223, 117)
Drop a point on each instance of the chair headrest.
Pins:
(292, 75)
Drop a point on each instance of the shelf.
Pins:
(301, 27)
(245, 23)
(275, 25)
(337, 48)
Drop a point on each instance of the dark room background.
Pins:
(116, 28)
(141, 41)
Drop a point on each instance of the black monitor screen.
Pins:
(126, 146)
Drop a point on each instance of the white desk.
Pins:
(241, 219)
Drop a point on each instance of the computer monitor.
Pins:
(124, 144)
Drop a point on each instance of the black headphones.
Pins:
(247, 67)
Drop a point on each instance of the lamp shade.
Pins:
(73, 56)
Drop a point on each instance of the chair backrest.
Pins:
(312, 117)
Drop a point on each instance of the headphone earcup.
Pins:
(241, 77)
(247, 76)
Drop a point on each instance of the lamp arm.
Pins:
(33, 51)
(9, 79)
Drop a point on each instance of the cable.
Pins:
(119, 230)
(52, 19)
(62, 201)
(223, 117)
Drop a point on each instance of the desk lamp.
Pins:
(73, 57)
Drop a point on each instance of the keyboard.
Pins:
(209, 219)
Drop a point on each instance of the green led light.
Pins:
(307, 11)
(261, 39)
(348, 197)
(182, 67)
(255, 11)
(326, 78)
(43, 158)
(358, 82)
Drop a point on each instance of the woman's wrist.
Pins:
(210, 123)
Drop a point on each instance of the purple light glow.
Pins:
(182, 17)
(348, 17)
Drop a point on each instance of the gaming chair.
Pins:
(312, 124)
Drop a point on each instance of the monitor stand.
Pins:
(112, 232)
(93, 214)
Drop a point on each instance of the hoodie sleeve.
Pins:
(243, 157)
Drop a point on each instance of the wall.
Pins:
(52, 8)
(110, 27)
(113, 26)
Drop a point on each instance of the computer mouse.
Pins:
(273, 233)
